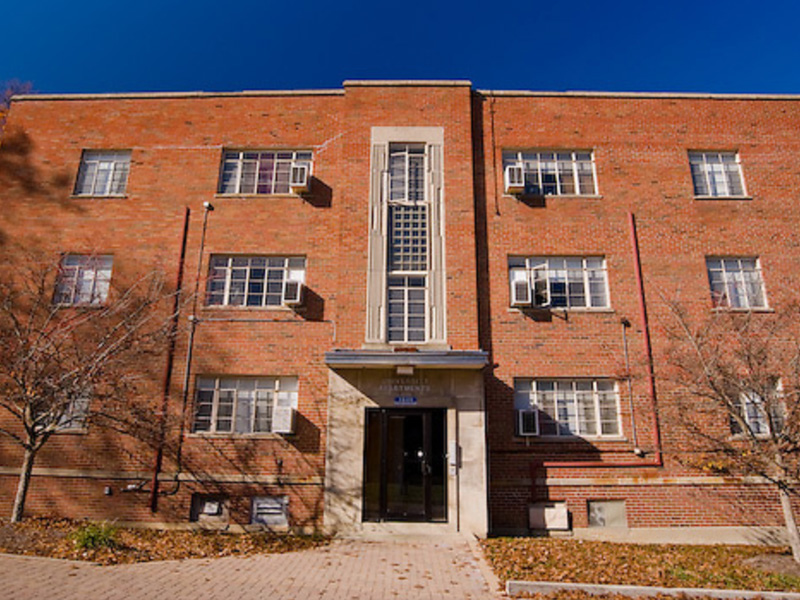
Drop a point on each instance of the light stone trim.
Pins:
(637, 95)
(167, 477)
(173, 95)
(515, 588)
(629, 481)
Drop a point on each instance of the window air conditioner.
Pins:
(293, 293)
(548, 516)
(283, 419)
(514, 179)
(520, 289)
(527, 423)
(299, 179)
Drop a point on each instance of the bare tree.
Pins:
(7, 90)
(738, 384)
(65, 364)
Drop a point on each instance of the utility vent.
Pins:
(514, 179)
(270, 510)
(283, 419)
(550, 516)
(207, 507)
(299, 179)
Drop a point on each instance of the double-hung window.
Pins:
(256, 281)
(241, 405)
(567, 407)
(260, 172)
(103, 173)
(736, 282)
(408, 243)
(83, 280)
(75, 414)
(761, 414)
(559, 282)
(556, 173)
(716, 174)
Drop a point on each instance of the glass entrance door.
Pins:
(404, 465)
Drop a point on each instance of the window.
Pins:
(760, 415)
(559, 282)
(556, 173)
(258, 281)
(246, 172)
(209, 507)
(584, 407)
(103, 173)
(408, 244)
(736, 283)
(75, 415)
(717, 174)
(242, 405)
(83, 280)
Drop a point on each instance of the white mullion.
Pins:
(707, 173)
(575, 173)
(215, 405)
(597, 414)
(587, 292)
(575, 404)
(558, 173)
(228, 277)
(253, 406)
(247, 272)
(539, 181)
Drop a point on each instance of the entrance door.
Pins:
(404, 465)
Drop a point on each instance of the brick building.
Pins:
(416, 299)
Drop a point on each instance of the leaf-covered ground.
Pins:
(56, 538)
(576, 561)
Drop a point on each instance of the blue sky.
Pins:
(171, 45)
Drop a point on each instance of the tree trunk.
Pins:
(22, 486)
(791, 524)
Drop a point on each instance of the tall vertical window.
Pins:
(716, 174)
(736, 283)
(83, 279)
(560, 173)
(256, 172)
(407, 268)
(103, 173)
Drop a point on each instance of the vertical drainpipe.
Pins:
(173, 332)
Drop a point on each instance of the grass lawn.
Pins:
(576, 561)
(108, 545)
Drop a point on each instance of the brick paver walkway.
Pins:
(412, 569)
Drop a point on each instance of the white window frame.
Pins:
(531, 281)
(753, 410)
(232, 171)
(529, 395)
(407, 151)
(565, 161)
(114, 164)
(83, 280)
(276, 392)
(713, 172)
(734, 275)
(75, 416)
(293, 269)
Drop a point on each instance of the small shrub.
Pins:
(95, 535)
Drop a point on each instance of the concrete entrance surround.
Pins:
(352, 391)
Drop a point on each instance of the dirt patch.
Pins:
(780, 564)
(58, 538)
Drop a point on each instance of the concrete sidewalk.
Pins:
(407, 568)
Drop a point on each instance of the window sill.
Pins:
(556, 196)
(98, 197)
(281, 308)
(81, 306)
(76, 431)
(246, 196)
(570, 438)
(728, 309)
(704, 198)
(236, 436)
(522, 309)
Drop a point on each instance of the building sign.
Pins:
(405, 401)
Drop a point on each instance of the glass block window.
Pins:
(241, 405)
(407, 306)
(736, 283)
(256, 281)
(559, 282)
(716, 174)
(259, 172)
(579, 407)
(408, 228)
(83, 280)
(103, 173)
(556, 173)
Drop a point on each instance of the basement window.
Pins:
(607, 513)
